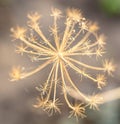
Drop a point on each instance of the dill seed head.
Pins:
(61, 55)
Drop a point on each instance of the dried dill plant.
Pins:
(63, 53)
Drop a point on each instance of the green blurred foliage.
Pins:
(111, 7)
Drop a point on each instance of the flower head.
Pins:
(77, 111)
(43, 89)
(52, 107)
(59, 54)
(16, 73)
(99, 52)
(56, 13)
(101, 80)
(101, 40)
(18, 32)
(95, 101)
(109, 66)
(74, 14)
(21, 49)
(93, 27)
(34, 17)
(41, 102)
(33, 20)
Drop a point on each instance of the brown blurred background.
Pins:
(16, 98)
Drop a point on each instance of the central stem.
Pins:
(60, 54)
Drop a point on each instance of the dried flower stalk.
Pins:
(75, 42)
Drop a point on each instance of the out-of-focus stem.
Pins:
(108, 96)
(111, 95)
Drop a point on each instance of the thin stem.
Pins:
(46, 58)
(64, 86)
(49, 76)
(44, 38)
(31, 45)
(74, 38)
(81, 54)
(79, 71)
(85, 65)
(37, 69)
(39, 44)
(52, 77)
(35, 53)
(66, 34)
(55, 85)
(73, 85)
(69, 34)
(80, 42)
(88, 47)
(56, 33)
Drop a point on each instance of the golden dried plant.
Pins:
(79, 39)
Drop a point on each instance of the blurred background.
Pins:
(17, 98)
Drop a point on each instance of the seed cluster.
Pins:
(79, 39)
